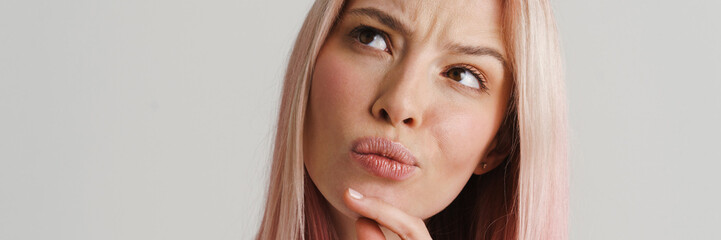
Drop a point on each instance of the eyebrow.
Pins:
(398, 26)
(386, 19)
(477, 51)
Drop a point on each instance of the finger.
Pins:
(367, 229)
(406, 226)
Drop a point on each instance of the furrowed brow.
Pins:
(382, 17)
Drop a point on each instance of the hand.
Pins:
(374, 210)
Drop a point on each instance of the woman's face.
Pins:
(427, 75)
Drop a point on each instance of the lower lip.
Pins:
(383, 167)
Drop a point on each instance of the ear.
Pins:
(491, 160)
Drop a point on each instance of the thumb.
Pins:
(367, 229)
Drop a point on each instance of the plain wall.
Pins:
(153, 119)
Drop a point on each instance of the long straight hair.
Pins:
(526, 197)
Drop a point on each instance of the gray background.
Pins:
(152, 119)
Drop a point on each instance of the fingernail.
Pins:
(355, 194)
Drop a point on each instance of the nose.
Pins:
(402, 97)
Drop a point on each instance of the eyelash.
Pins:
(473, 70)
(355, 33)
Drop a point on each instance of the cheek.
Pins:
(337, 99)
(463, 138)
(336, 87)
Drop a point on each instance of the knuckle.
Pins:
(415, 230)
(420, 223)
(374, 215)
(406, 232)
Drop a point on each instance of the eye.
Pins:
(371, 37)
(467, 76)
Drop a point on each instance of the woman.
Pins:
(419, 120)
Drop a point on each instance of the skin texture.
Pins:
(402, 93)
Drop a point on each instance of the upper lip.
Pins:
(384, 147)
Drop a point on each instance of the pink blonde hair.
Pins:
(524, 198)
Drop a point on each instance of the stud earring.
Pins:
(484, 165)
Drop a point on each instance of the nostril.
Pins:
(408, 121)
(385, 115)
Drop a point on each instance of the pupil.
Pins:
(366, 36)
(455, 74)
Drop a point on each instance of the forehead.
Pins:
(465, 21)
